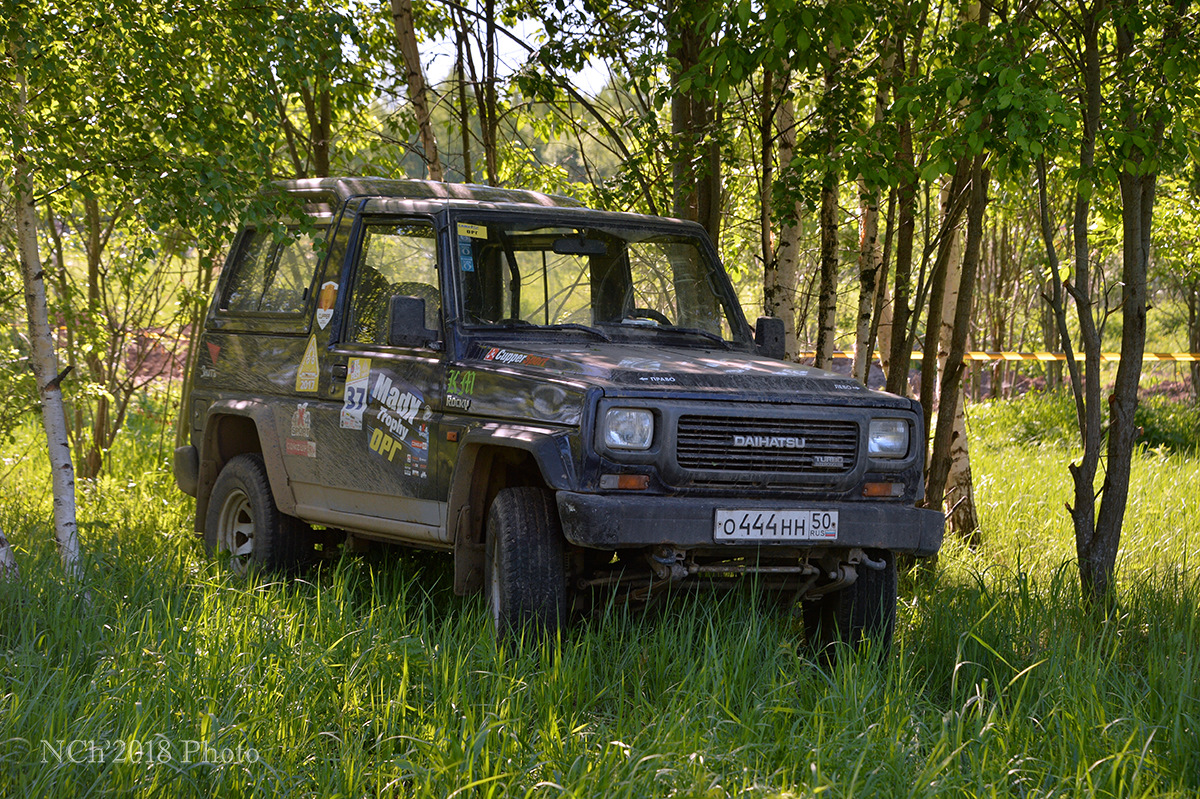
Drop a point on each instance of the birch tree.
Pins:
(147, 96)
(43, 358)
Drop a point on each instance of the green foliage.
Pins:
(1037, 418)
(146, 95)
(367, 677)
(1173, 426)
(1048, 419)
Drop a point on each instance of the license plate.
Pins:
(776, 525)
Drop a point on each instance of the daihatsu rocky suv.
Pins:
(566, 399)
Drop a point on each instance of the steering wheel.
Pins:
(649, 313)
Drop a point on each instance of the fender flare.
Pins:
(550, 450)
(214, 453)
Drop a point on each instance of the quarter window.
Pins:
(271, 275)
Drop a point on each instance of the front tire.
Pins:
(244, 522)
(525, 577)
(858, 615)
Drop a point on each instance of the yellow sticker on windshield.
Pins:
(474, 231)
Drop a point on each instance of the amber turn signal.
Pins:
(883, 489)
(626, 482)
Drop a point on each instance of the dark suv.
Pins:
(568, 400)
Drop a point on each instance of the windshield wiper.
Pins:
(672, 329)
(521, 324)
(704, 333)
(576, 326)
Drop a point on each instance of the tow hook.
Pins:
(667, 564)
(843, 572)
(873, 565)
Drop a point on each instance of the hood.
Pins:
(621, 368)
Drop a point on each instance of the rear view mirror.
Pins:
(769, 337)
(580, 246)
(406, 323)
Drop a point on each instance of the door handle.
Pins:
(340, 370)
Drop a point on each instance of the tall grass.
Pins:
(367, 677)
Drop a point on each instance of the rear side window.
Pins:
(271, 275)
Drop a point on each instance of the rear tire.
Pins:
(860, 614)
(243, 521)
(525, 577)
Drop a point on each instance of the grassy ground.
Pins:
(368, 677)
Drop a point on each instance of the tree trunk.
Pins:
(868, 274)
(950, 456)
(406, 38)
(1193, 301)
(827, 294)
(464, 115)
(883, 333)
(882, 312)
(487, 108)
(780, 265)
(44, 360)
(781, 283)
(1098, 556)
(8, 560)
(900, 353)
(696, 166)
(952, 208)
(869, 259)
(900, 350)
(94, 242)
(318, 110)
(1086, 386)
(1137, 212)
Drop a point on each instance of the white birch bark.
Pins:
(962, 516)
(883, 332)
(779, 289)
(44, 359)
(8, 561)
(868, 272)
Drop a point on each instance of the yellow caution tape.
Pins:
(1184, 357)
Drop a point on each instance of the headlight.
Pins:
(887, 438)
(628, 428)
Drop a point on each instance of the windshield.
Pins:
(610, 279)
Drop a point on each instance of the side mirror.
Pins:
(769, 337)
(406, 323)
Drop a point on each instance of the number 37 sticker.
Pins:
(357, 380)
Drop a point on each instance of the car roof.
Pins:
(345, 188)
(322, 197)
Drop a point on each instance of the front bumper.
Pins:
(615, 522)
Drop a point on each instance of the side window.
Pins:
(271, 276)
(397, 258)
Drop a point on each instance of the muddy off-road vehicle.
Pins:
(568, 400)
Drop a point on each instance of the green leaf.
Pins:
(780, 35)
(932, 170)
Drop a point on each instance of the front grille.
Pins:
(770, 446)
